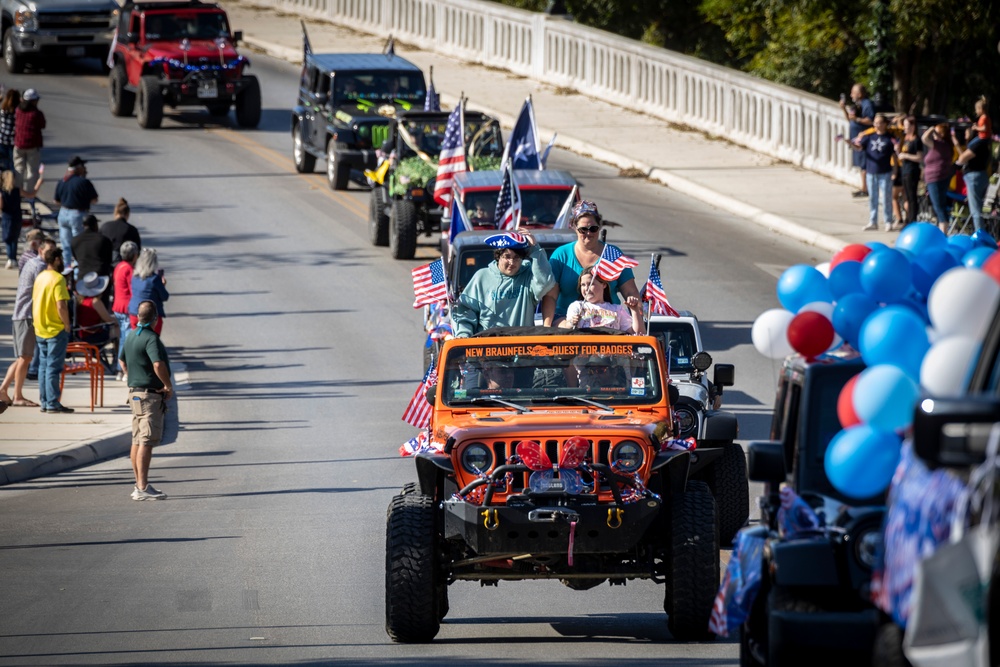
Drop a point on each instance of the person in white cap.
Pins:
(28, 125)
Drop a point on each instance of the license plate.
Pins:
(208, 89)
(75, 52)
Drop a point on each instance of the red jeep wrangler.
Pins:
(179, 54)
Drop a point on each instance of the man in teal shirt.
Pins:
(507, 292)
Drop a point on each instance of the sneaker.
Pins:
(119, 375)
(858, 194)
(135, 493)
(870, 227)
(11, 264)
(149, 493)
(60, 408)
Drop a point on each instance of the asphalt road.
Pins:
(301, 350)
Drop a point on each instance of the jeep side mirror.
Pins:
(673, 393)
(237, 36)
(725, 375)
(431, 394)
(952, 432)
(766, 462)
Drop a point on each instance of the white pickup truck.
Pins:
(55, 29)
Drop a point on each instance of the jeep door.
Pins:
(131, 30)
(312, 110)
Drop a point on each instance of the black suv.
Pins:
(402, 200)
(813, 605)
(346, 101)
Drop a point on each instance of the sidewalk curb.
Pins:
(79, 454)
(768, 221)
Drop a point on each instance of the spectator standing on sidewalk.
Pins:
(75, 194)
(145, 361)
(28, 125)
(938, 159)
(92, 250)
(10, 212)
(24, 328)
(120, 230)
(974, 161)
(879, 152)
(148, 284)
(8, 113)
(860, 116)
(50, 310)
(122, 284)
(911, 153)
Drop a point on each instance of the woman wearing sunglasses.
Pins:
(567, 262)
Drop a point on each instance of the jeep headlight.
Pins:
(477, 458)
(627, 456)
(25, 20)
(687, 420)
(867, 545)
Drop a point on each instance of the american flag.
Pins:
(418, 410)
(658, 302)
(508, 213)
(451, 161)
(612, 263)
(429, 285)
(433, 101)
(417, 445)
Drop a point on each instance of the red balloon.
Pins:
(992, 266)
(810, 334)
(845, 404)
(854, 252)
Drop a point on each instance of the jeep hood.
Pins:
(202, 52)
(541, 421)
(363, 109)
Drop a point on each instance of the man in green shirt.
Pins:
(144, 360)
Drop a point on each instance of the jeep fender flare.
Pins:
(720, 425)
(431, 469)
(673, 467)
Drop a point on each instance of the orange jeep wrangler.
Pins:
(551, 458)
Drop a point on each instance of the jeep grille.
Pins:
(504, 449)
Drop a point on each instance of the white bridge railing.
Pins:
(769, 118)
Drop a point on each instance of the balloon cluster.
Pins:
(917, 313)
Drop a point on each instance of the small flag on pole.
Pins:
(451, 160)
(306, 46)
(433, 101)
(429, 285)
(508, 212)
(418, 410)
(612, 263)
(658, 302)
(522, 144)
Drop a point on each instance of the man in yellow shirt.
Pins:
(50, 309)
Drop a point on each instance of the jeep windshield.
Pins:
(603, 374)
(538, 206)
(677, 337)
(176, 25)
(365, 88)
(483, 137)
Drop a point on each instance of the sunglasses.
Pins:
(593, 229)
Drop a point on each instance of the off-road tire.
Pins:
(403, 230)
(412, 577)
(781, 599)
(753, 632)
(305, 162)
(121, 102)
(149, 108)
(219, 109)
(727, 479)
(694, 563)
(14, 62)
(378, 221)
(337, 175)
(888, 650)
(248, 103)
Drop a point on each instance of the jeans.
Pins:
(938, 192)
(124, 326)
(976, 182)
(879, 186)
(6, 157)
(51, 357)
(70, 224)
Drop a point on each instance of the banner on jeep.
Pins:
(614, 349)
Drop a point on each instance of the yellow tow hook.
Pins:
(491, 519)
(615, 517)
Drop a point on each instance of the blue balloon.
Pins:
(897, 336)
(918, 237)
(876, 245)
(983, 238)
(860, 461)
(886, 275)
(918, 307)
(963, 241)
(975, 258)
(850, 313)
(845, 279)
(802, 284)
(929, 266)
(957, 252)
(884, 397)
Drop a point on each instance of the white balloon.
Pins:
(823, 268)
(826, 310)
(946, 366)
(962, 301)
(770, 333)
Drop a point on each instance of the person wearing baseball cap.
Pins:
(29, 122)
(74, 194)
